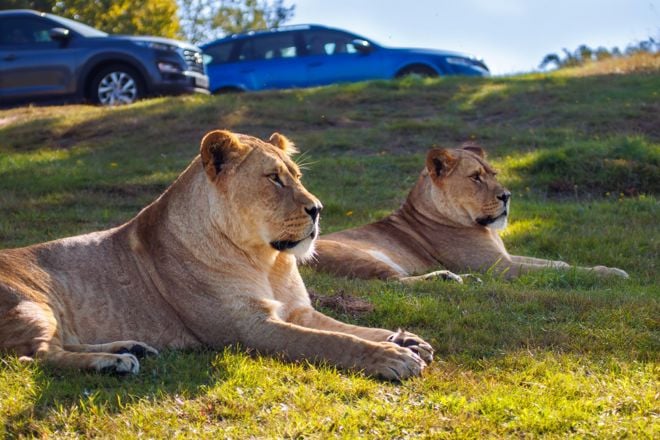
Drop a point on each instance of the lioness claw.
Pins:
(414, 343)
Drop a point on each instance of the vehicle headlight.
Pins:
(157, 46)
(460, 61)
(167, 67)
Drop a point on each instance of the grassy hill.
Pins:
(555, 355)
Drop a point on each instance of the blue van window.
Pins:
(328, 42)
(218, 54)
(268, 47)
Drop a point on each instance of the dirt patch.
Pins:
(342, 303)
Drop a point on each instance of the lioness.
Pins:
(211, 262)
(449, 219)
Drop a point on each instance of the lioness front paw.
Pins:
(118, 363)
(393, 362)
(137, 349)
(413, 342)
(470, 277)
(441, 274)
(610, 271)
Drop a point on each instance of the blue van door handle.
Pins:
(316, 64)
(247, 71)
(10, 57)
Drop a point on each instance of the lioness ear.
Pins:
(440, 162)
(283, 143)
(475, 148)
(218, 147)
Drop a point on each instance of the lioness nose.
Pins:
(506, 195)
(314, 211)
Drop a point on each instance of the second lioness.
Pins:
(449, 219)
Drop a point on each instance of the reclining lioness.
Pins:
(211, 262)
(450, 219)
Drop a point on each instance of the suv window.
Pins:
(24, 30)
(266, 48)
(324, 42)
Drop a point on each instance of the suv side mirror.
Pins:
(59, 34)
(362, 46)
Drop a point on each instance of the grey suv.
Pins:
(43, 56)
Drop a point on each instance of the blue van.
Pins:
(312, 55)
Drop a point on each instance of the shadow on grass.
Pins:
(58, 394)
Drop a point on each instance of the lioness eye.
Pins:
(276, 180)
(476, 177)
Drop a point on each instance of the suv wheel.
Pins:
(116, 85)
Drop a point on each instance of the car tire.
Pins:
(417, 70)
(116, 84)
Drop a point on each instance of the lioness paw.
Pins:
(439, 274)
(137, 349)
(118, 363)
(413, 342)
(470, 277)
(393, 362)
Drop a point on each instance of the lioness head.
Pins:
(255, 193)
(465, 188)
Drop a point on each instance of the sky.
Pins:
(512, 36)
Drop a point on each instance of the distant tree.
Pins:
(203, 20)
(570, 58)
(155, 17)
(602, 53)
(37, 5)
(584, 53)
(195, 17)
(243, 15)
(551, 58)
(650, 45)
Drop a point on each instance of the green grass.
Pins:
(549, 355)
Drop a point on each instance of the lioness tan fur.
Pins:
(449, 219)
(211, 262)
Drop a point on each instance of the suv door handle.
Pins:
(315, 64)
(247, 70)
(10, 57)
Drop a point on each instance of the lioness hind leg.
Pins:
(31, 331)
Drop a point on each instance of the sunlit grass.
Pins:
(535, 392)
(485, 91)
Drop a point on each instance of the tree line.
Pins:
(193, 20)
(584, 54)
